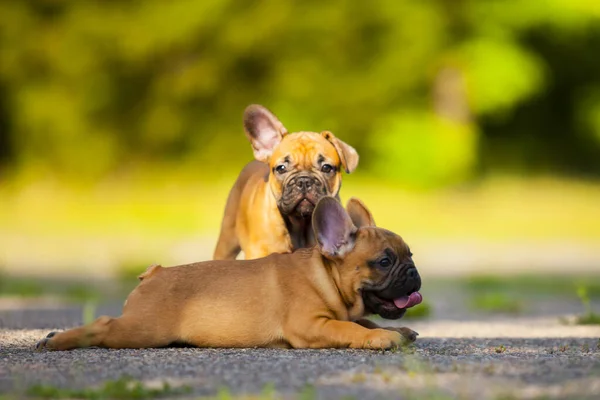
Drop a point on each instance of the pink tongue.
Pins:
(408, 301)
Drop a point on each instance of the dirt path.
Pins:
(491, 358)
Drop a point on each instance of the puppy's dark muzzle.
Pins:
(407, 281)
(301, 193)
(304, 184)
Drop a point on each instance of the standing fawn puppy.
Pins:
(270, 206)
(312, 298)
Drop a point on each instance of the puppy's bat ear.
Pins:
(348, 156)
(359, 213)
(263, 130)
(333, 228)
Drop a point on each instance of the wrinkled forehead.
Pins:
(305, 148)
(384, 239)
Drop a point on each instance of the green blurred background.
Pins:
(477, 122)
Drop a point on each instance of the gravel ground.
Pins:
(532, 356)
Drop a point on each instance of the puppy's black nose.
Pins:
(413, 278)
(304, 183)
(412, 273)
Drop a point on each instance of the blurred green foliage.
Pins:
(589, 317)
(122, 388)
(88, 292)
(429, 92)
(496, 303)
(423, 310)
(10, 286)
(512, 284)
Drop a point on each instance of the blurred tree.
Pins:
(6, 147)
(428, 91)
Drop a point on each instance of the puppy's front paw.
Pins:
(44, 343)
(408, 334)
(383, 339)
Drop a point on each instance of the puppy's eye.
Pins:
(385, 262)
(327, 168)
(281, 169)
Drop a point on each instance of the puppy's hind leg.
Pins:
(116, 333)
(228, 245)
(84, 336)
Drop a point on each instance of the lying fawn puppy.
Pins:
(312, 298)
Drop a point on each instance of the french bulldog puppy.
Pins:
(312, 298)
(270, 206)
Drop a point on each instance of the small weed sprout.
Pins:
(585, 348)
(589, 317)
(564, 348)
(500, 349)
(583, 295)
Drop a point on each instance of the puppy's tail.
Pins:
(151, 270)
